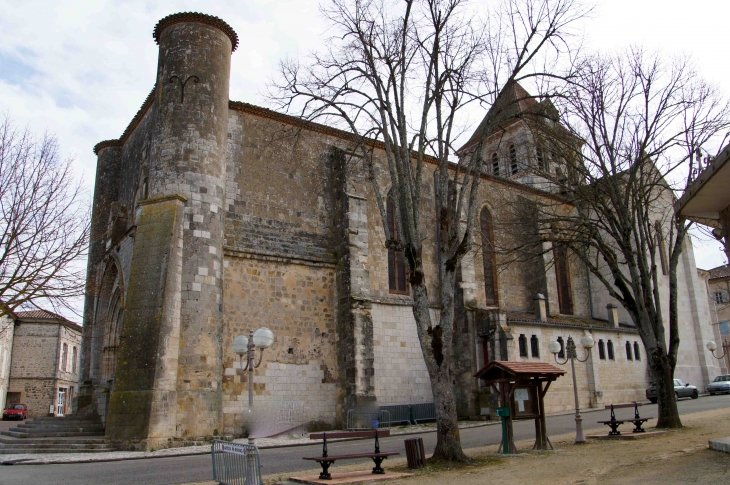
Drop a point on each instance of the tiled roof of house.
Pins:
(720, 272)
(33, 315)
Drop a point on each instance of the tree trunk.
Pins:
(663, 372)
(448, 444)
(436, 345)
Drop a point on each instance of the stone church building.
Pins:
(214, 216)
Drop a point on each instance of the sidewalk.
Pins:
(673, 457)
(262, 443)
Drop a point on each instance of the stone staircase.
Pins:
(69, 434)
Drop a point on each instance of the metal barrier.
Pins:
(365, 420)
(236, 463)
(399, 413)
(423, 412)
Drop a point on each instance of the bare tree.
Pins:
(44, 223)
(636, 125)
(400, 73)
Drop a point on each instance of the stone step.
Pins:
(35, 422)
(54, 441)
(32, 429)
(50, 434)
(23, 451)
(55, 446)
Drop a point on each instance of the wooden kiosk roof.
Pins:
(500, 370)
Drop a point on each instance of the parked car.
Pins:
(719, 385)
(681, 389)
(16, 411)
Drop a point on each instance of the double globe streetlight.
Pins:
(571, 355)
(242, 345)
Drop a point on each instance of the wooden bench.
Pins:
(614, 423)
(326, 459)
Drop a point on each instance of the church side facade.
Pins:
(212, 217)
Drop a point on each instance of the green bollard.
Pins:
(504, 414)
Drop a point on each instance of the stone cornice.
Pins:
(199, 18)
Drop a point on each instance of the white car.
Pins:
(720, 384)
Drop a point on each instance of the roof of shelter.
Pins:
(500, 369)
(720, 272)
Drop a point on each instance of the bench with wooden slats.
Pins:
(614, 423)
(326, 459)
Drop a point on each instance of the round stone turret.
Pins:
(168, 377)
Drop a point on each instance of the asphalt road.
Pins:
(186, 469)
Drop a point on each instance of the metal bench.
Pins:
(614, 423)
(326, 459)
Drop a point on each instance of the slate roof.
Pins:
(511, 103)
(720, 272)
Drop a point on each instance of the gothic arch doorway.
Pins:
(109, 318)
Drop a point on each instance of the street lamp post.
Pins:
(712, 346)
(242, 345)
(571, 355)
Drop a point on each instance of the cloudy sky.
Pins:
(81, 69)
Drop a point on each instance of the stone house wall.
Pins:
(36, 371)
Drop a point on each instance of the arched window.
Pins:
(513, 159)
(601, 350)
(396, 264)
(495, 164)
(637, 355)
(629, 355)
(488, 256)
(561, 354)
(522, 340)
(610, 350)
(64, 357)
(535, 346)
(562, 275)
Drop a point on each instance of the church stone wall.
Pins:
(401, 375)
(297, 303)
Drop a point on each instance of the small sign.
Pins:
(502, 412)
(233, 448)
(521, 395)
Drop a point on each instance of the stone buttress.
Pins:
(168, 377)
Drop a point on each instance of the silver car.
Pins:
(681, 389)
(719, 385)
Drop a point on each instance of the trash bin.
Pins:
(414, 453)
